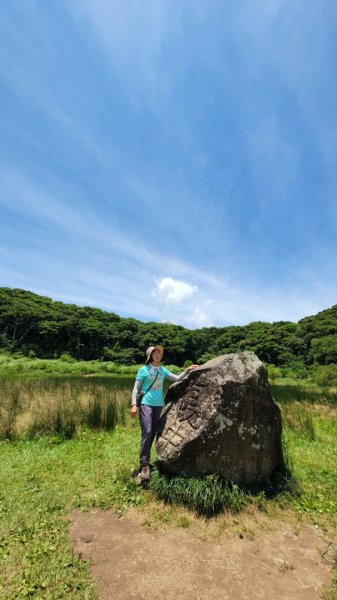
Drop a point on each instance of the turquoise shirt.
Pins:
(147, 374)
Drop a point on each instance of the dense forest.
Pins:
(38, 326)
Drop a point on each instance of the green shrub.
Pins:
(187, 363)
(65, 357)
(274, 373)
(325, 375)
(205, 357)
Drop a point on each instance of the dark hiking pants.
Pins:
(149, 419)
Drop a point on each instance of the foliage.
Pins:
(38, 326)
(325, 375)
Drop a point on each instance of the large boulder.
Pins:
(222, 419)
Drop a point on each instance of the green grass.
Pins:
(43, 479)
(286, 393)
(205, 495)
(18, 365)
(315, 466)
(41, 482)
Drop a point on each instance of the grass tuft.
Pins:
(210, 494)
(206, 495)
(298, 418)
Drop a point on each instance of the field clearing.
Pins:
(45, 478)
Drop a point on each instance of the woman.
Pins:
(149, 381)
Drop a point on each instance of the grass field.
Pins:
(44, 477)
(18, 365)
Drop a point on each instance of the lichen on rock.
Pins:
(222, 419)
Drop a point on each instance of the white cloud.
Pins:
(173, 291)
(199, 318)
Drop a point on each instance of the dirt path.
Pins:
(132, 561)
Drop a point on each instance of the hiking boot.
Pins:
(145, 473)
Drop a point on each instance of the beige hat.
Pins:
(151, 349)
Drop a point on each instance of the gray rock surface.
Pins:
(222, 419)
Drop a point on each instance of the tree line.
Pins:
(38, 326)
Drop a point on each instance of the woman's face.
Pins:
(156, 356)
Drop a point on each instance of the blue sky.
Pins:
(171, 161)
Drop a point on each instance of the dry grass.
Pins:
(29, 408)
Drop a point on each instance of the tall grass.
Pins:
(296, 403)
(210, 494)
(33, 407)
(299, 418)
(289, 393)
(206, 495)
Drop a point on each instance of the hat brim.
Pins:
(157, 347)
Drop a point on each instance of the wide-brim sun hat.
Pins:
(151, 349)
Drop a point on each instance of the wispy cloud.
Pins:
(171, 161)
(134, 57)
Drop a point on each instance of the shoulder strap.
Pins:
(153, 382)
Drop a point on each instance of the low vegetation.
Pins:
(207, 495)
(69, 443)
(33, 407)
(18, 365)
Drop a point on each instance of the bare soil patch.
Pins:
(133, 557)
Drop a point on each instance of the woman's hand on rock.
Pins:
(191, 367)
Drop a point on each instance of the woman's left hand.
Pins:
(191, 367)
(133, 410)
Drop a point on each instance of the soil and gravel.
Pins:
(138, 556)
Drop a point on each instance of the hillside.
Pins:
(37, 325)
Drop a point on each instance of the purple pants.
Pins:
(149, 419)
